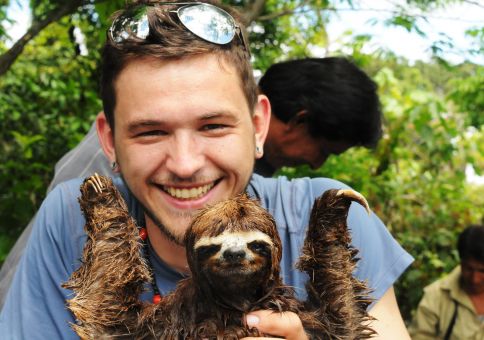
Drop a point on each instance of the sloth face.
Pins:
(234, 254)
(234, 266)
(234, 249)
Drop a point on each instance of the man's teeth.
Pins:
(188, 193)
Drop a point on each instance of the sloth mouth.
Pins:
(188, 193)
(235, 269)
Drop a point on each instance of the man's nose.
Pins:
(184, 155)
(476, 277)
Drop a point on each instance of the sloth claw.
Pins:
(355, 196)
(95, 182)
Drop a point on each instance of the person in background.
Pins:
(453, 307)
(320, 106)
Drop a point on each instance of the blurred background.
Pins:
(427, 56)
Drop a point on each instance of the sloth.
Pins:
(234, 252)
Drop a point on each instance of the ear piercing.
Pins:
(114, 166)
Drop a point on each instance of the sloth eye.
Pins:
(204, 252)
(258, 247)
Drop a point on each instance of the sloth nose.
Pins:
(234, 254)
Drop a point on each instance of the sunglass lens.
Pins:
(132, 23)
(208, 22)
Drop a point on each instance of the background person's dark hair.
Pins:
(470, 244)
(341, 101)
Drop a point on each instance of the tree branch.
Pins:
(475, 3)
(253, 11)
(282, 13)
(9, 57)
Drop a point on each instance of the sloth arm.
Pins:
(389, 322)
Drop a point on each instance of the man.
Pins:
(453, 307)
(183, 124)
(319, 107)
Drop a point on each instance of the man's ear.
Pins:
(261, 120)
(298, 120)
(106, 136)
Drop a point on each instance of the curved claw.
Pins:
(96, 183)
(355, 196)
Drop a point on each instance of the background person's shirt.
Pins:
(435, 311)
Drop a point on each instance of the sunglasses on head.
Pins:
(206, 21)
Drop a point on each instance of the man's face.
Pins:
(472, 277)
(291, 144)
(184, 136)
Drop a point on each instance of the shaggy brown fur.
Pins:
(225, 285)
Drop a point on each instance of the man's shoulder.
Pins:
(71, 188)
(290, 200)
(298, 186)
(62, 203)
(64, 193)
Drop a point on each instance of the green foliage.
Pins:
(47, 101)
(468, 95)
(276, 37)
(3, 19)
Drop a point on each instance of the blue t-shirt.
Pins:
(35, 307)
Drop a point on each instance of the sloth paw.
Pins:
(95, 183)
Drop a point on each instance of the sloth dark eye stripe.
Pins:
(258, 246)
(204, 252)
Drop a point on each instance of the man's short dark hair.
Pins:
(340, 100)
(471, 243)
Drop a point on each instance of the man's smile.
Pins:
(188, 193)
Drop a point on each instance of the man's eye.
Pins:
(210, 127)
(152, 133)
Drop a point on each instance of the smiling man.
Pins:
(183, 125)
(181, 135)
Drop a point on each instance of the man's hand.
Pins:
(285, 325)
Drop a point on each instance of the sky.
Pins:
(453, 21)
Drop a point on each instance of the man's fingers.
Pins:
(285, 325)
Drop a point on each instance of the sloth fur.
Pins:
(233, 251)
